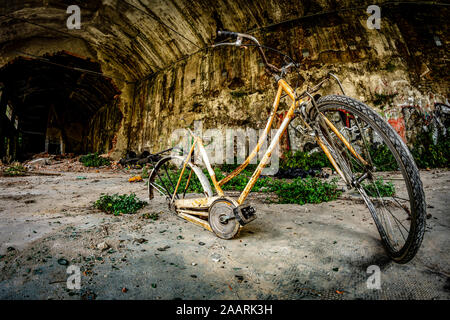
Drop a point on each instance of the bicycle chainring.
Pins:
(222, 219)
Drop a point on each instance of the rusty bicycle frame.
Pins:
(191, 209)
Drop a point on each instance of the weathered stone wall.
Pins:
(167, 82)
(393, 69)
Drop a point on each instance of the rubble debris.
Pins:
(152, 216)
(163, 248)
(140, 240)
(145, 157)
(88, 295)
(215, 257)
(39, 161)
(103, 246)
(63, 262)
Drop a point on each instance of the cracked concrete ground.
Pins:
(290, 252)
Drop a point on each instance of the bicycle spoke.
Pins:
(162, 182)
(158, 188)
(170, 179)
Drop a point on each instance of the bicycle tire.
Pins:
(405, 163)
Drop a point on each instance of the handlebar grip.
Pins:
(226, 33)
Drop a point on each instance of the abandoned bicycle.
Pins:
(365, 151)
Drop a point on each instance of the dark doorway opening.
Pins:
(54, 105)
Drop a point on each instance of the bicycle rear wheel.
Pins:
(380, 168)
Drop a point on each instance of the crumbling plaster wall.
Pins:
(166, 82)
(227, 87)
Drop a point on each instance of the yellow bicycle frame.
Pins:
(283, 86)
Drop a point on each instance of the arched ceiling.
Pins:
(134, 38)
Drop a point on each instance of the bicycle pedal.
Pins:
(244, 214)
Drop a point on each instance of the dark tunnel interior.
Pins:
(53, 104)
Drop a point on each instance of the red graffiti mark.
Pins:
(399, 126)
(346, 116)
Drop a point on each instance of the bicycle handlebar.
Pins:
(240, 36)
(226, 33)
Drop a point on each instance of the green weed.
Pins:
(15, 170)
(308, 190)
(379, 188)
(94, 160)
(304, 160)
(119, 204)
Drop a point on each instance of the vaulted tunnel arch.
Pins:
(158, 54)
(54, 105)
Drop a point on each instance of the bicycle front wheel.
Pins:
(377, 165)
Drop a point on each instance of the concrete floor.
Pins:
(290, 252)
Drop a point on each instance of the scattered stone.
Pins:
(194, 264)
(163, 248)
(38, 271)
(102, 246)
(88, 295)
(140, 240)
(39, 161)
(152, 216)
(215, 257)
